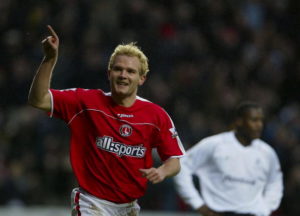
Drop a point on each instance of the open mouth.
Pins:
(122, 84)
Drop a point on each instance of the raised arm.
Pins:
(39, 95)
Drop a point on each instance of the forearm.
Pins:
(185, 187)
(38, 94)
(273, 194)
(273, 191)
(170, 167)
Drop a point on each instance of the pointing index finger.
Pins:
(53, 33)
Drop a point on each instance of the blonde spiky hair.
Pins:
(130, 49)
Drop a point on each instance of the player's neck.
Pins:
(244, 140)
(126, 101)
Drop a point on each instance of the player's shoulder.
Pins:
(209, 142)
(149, 105)
(90, 91)
(217, 138)
(213, 140)
(263, 146)
(83, 92)
(144, 101)
(266, 149)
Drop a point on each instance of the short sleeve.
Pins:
(168, 141)
(64, 103)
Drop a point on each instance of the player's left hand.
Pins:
(154, 175)
(51, 44)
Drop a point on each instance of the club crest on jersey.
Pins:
(125, 130)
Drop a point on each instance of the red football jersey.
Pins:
(110, 143)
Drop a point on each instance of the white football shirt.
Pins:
(233, 177)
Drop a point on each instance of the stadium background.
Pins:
(205, 56)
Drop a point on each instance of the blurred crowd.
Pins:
(205, 57)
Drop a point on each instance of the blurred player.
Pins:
(112, 134)
(239, 174)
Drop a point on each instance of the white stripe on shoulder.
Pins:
(142, 99)
(137, 97)
(51, 103)
(178, 156)
(68, 89)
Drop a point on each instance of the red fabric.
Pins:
(77, 204)
(110, 143)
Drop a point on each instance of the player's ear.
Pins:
(142, 80)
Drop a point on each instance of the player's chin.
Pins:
(122, 93)
(121, 89)
(256, 135)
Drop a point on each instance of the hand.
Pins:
(51, 44)
(154, 175)
(206, 211)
